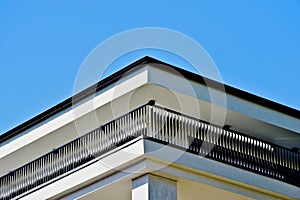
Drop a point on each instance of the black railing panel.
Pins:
(229, 147)
(168, 127)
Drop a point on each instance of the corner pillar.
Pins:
(152, 187)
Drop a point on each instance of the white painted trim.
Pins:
(146, 156)
(169, 156)
(153, 75)
(178, 83)
(125, 85)
(98, 170)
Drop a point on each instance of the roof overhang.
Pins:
(144, 80)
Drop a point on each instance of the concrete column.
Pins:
(151, 187)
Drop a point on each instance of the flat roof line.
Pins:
(132, 67)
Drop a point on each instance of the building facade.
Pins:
(155, 131)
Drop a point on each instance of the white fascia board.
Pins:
(178, 83)
(264, 114)
(152, 74)
(125, 85)
(144, 156)
(108, 165)
(169, 156)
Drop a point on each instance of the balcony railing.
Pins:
(165, 126)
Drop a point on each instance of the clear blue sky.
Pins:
(255, 44)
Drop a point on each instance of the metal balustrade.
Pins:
(165, 126)
(226, 146)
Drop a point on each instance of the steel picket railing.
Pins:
(165, 126)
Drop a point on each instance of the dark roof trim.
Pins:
(132, 67)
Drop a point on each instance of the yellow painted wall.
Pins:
(188, 190)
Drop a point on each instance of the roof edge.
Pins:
(132, 67)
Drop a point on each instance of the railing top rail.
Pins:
(220, 127)
(225, 146)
